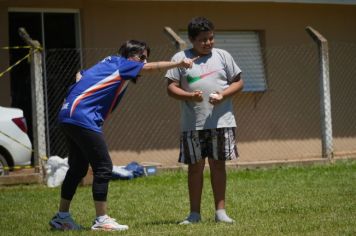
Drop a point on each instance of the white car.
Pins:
(15, 145)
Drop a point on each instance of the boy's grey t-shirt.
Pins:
(210, 73)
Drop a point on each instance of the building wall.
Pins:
(268, 128)
(110, 22)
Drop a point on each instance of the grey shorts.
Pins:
(217, 144)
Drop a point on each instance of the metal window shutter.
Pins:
(244, 46)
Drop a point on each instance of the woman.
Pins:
(88, 103)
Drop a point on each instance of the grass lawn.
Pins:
(312, 200)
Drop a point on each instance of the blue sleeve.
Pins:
(129, 69)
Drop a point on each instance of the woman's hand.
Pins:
(78, 76)
(187, 62)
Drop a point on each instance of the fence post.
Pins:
(325, 103)
(38, 111)
(178, 42)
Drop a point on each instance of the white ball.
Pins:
(214, 95)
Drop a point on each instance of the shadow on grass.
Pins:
(172, 222)
(162, 222)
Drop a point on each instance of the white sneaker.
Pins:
(108, 224)
(193, 217)
(225, 220)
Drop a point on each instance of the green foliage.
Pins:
(313, 200)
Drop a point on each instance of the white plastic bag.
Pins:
(119, 172)
(56, 169)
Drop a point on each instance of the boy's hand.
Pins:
(215, 98)
(197, 96)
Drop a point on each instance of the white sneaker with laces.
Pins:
(193, 217)
(108, 224)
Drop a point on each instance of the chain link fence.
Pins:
(343, 96)
(282, 123)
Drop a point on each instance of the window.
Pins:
(245, 48)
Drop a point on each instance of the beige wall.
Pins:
(283, 23)
(273, 125)
(108, 23)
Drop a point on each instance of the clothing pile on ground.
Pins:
(132, 170)
(57, 167)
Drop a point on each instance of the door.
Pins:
(56, 31)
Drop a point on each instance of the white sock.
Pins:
(63, 214)
(221, 216)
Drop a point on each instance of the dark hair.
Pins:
(133, 47)
(199, 24)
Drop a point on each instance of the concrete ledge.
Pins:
(272, 163)
(33, 178)
(36, 178)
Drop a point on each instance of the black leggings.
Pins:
(86, 147)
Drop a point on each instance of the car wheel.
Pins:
(4, 167)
